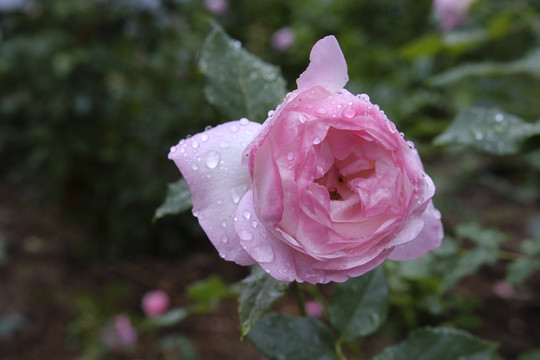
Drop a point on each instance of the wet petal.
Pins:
(327, 67)
(211, 164)
(429, 238)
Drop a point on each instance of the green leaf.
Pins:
(488, 130)
(239, 84)
(178, 199)
(521, 269)
(529, 64)
(530, 355)
(283, 337)
(207, 293)
(359, 305)
(531, 247)
(439, 344)
(258, 292)
(174, 347)
(172, 317)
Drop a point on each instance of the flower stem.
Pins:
(299, 298)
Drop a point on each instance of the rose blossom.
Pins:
(324, 190)
(155, 303)
(451, 13)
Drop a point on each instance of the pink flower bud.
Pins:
(314, 309)
(283, 39)
(451, 13)
(155, 303)
(218, 7)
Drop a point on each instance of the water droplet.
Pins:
(437, 214)
(262, 253)
(195, 166)
(224, 239)
(364, 97)
(246, 214)
(290, 156)
(208, 127)
(349, 112)
(235, 196)
(402, 134)
(254, 224)
(390, 126)
(302, 118)
(499, 117)
(321, 111)
(204, 138)
(478, 135)
(219, 201)
(235, 219)
(173, 149)
(224, 223)
(410, 144)
(246, 235)
(195, 213)
(270, 113)
(244, 121)
(212, 159)
(182, 150)
(194, 144)
(223, 144)
(317, 140)
(234, 128)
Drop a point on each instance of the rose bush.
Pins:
(324, 190)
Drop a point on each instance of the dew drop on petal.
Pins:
(204, 138)
(212, 159)
(302, 118)
(195, 144)
(262, 253)
(223, 144)
(195, 166)
(254, 224)
(208, 127)
(234, 128)
(244, 121)
(410, 144)
(349, 112)
(321, 111)
(270, 113)
(235, 196)
(224, 239)
(364, 97)
(402, 134)
(246, 214)
(224, 223)
(437, 214)
(173, 149)
(316, 140)
(290, 156)
(219, 201)
(246, 235)
(195, 213)
(235, 219)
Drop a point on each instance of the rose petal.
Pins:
(274, 256)
(429, 238)
(327, 67)
(211, 164)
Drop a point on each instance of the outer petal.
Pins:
(429, 238)
(211, 164)
(327, 67)
(262, 245)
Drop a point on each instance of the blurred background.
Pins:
(94, 92)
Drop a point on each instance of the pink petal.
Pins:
(327, 67)
(211, 164)
(261, 244)
(429, 238)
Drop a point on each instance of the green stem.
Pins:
(299, 298)
(339, 351)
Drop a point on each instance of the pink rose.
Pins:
(324, 190)
(155, 303)
(283, 39)
(451, 13)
